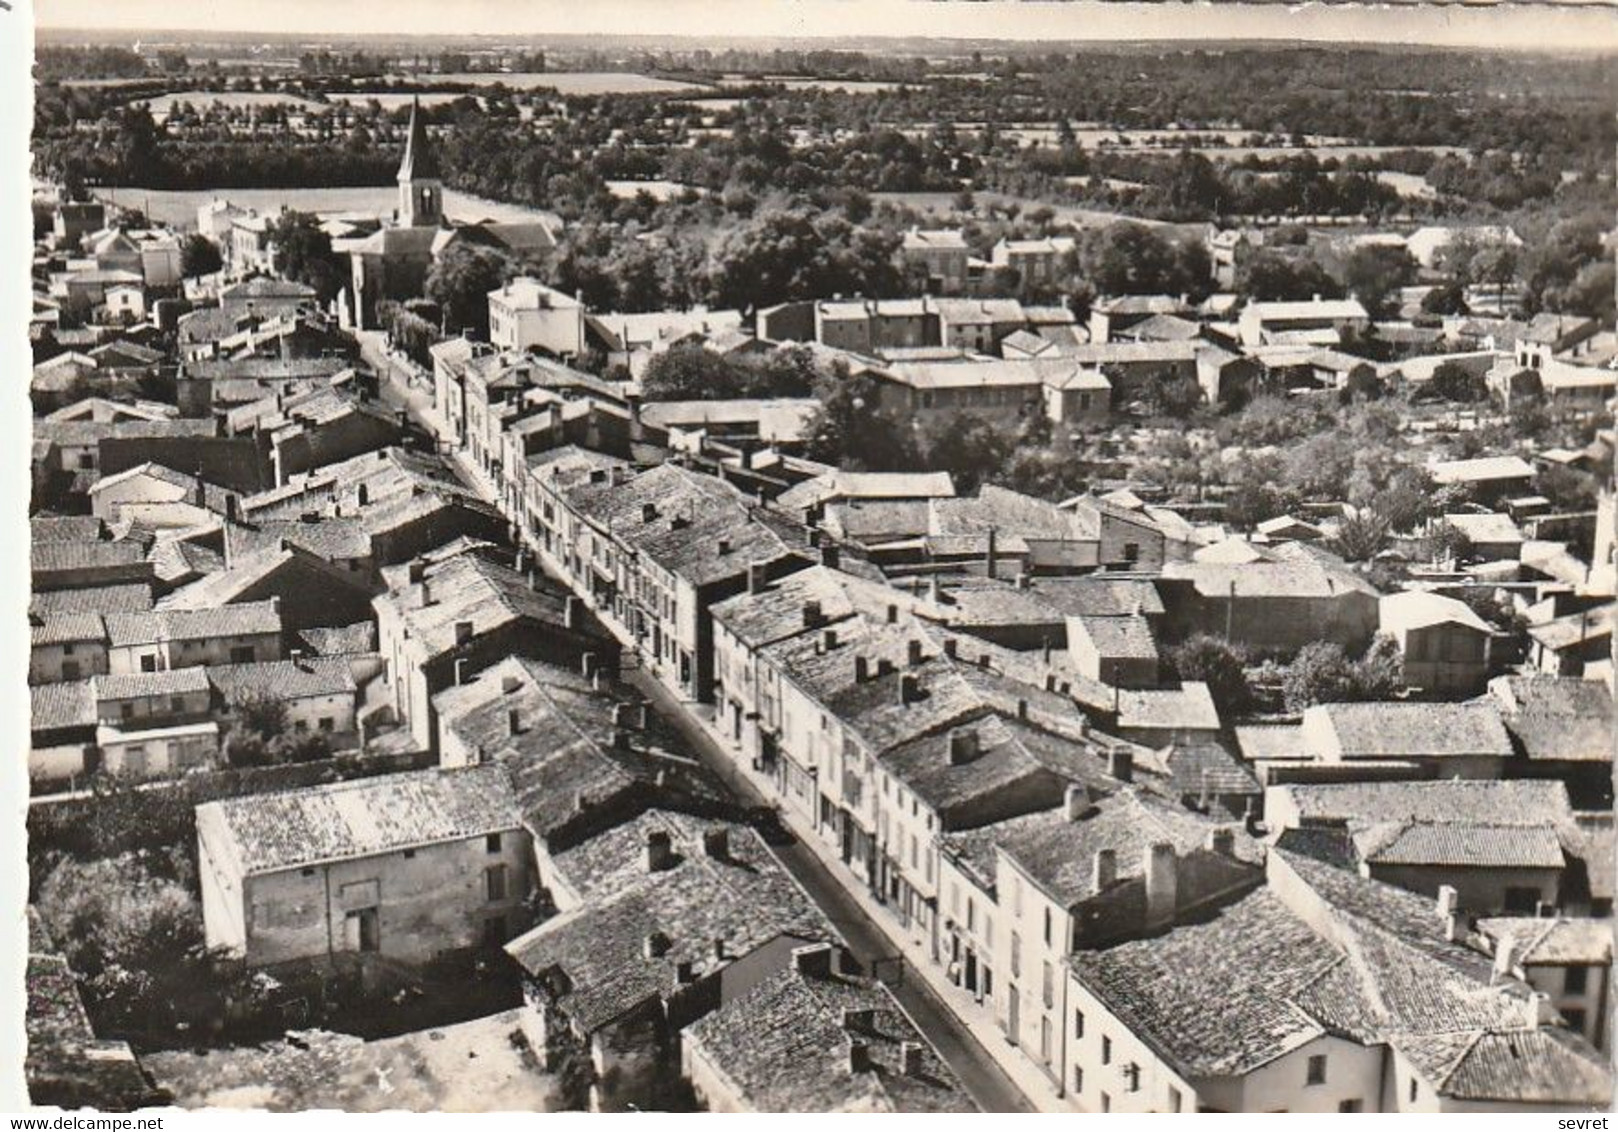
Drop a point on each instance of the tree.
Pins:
(1171, 395)
(258, 734)
(1218, 664)
(460, 281)
(199, 257)
(303, 251)
(690, 372)
(1446, 299)
(852, 431)
(1267, 276)
(1445, 542)
(1321, 673)
(1361, 537)
(1375, 274)
(969, 448)
(1454, 382)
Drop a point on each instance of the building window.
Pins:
(126, 710)
(1354, 1105)
(308, 872)
(148, 664)
(1106, 1051)
(492, 843)
(241, 654)
(1016, 955)
(1132, 1075)
(1078, 1023)
(1131, 552)
(1050, 984)
(1175, 1100)
(1575, 980)
(327, 723)
(494, 882)
(409, 854)
(1415, 1090)
(1078, 1079)
(1106, 1103)
(1317, 1070)
(494, 931)
(1574, 1020)
(1047, 927)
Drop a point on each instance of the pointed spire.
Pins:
(420, 162)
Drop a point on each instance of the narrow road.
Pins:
(983, 1079)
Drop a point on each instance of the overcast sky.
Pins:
(1449, 24)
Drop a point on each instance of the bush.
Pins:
(1218, 664)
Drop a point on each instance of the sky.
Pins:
(1577, 25)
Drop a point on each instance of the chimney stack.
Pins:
(757, 578)
(1223, 841)
(909, 688)
(828, 640)
(910, 1058)
(859, 1057)
(812, 615)
(417, 572)
(1075, 801)
(719, 947)
(951, 647)
(1121, 764)
(659, 851)
(862, 669)
(463, 632)
(913, 653)
(460, 670)
(814, 961)
(1104, 871)
(989, 562)
(1162, 884)
(716, 843)
(573, 614)
(893, 614)
(514, 722)
(588, 664)
(830, 557)
(963, 745)
(657, 944)
(1447, 898)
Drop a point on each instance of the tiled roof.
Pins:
(1460, 845)
(1188, 707)
(783, 1047)
(868, 485)
(1216, 998)
(64, 528)
(1195, 767)
(1098, 596)
(137, 685)
(60, 557)
(71, 703)
(1408, 729)
(1125, 637)
(1557, 718)
(133, 597)
(342, 640)
(1417, 610)
(1480, 469)
(248, 618)
(1307, 579)
(744, 900)
(1007, 512)
(283, 679)
(62, 628)
(1552, 941)
(364, 817)
(1501, 802)
(1544, 1066)
(471, 588)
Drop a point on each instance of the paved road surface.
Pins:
(983, 1079)
(989, 1086)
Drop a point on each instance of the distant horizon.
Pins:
(1582, 27)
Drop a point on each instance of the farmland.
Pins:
(179, 206)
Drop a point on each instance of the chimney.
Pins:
(648, 512)
(1162, 883)
(418, 572)
(657, 944)
(724, 546)
(909, 688)
(989, 564)
(829, 556)
(659, 851)
(1075, 801)
(828, 640)
(862, 669)
(1502, 957)
(509, 685)
(1223, 841)
(573, 615)
(858, 1020)
(963, 745)
(463, 632)
(621, 739)
(893, 614)
(1104, 871)
(757, 578)
(951, 647)
(812, 615)
(859, 1057)
(913, 653)
(719, 947)
(1022, 710)
(514, 722)
(363, 493)
(232, 508)
(910, 1058)
(588, 664)
(716, 843)
(1447, 897)
(1025, 580)
(813, 961)
(1121, 764)
(685, 972)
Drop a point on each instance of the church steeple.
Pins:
(421, 193)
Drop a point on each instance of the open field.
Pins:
(162, 105)
(393, 99)
(568, 82)
(659, 190)
(179, 206)
(941, 206)
(847, 86)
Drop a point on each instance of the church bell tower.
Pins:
(421, 192)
